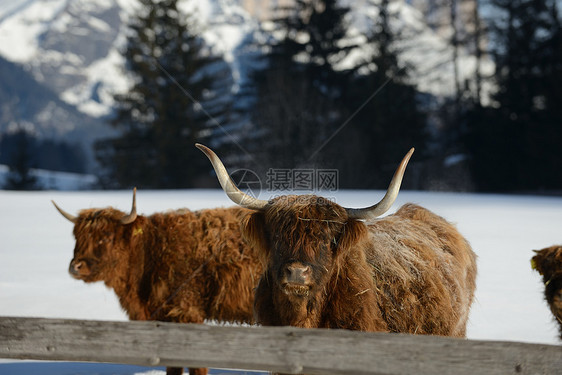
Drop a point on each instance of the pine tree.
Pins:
(315, 36)
(389, 121)
(476, 39)
(19, 176)
(515, 145)
(180, 93)
(297, 95)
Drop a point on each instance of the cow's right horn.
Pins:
(67, 216)
(228, 185)
(376, 210)
(128, 219)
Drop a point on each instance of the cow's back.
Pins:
(201, 266)
(424, 272)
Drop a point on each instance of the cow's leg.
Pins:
(197, 371)
(174, 370)
(192, 313)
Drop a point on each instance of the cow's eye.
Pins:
(104, 240)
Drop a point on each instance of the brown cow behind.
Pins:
(179, 266)
(548, 262)
(325, 267)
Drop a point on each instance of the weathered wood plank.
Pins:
(282, 349)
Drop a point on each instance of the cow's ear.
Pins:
(353, 232)
(536, 262)
(253, 229)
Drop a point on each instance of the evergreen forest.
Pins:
(304, 107)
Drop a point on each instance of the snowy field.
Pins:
(36, 247)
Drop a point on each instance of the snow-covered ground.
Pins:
(36, 246)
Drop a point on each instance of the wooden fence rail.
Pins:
(281, 349)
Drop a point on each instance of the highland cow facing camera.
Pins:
(179, 266)
(548, 263)
(334, 267)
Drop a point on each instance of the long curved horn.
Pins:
(68, 216)
(228, 185)
(370, 213)
(128, 219)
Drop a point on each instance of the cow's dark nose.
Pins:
(74, 268)
(297, 273)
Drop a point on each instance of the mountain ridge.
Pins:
(73, 49)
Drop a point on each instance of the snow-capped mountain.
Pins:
(26, 104)
(72, 50)
(70, 63)
(424, 47)
(74, 46)
(55, 58)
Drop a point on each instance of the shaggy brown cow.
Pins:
(548, 262)
(325, 267)
(179, 266)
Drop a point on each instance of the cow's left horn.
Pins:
(128, 219)
(68, 216)
(228, 185)
(371, 213)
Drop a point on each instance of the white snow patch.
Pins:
(19, 32)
